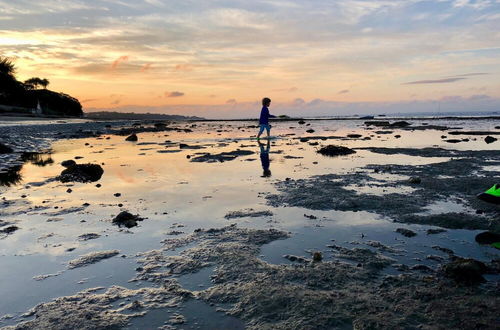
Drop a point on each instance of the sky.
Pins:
(219, 58)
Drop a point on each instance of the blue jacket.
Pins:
(264, 116)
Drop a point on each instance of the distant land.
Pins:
(105, 115)
(31, 97)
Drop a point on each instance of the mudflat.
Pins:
(330, 224)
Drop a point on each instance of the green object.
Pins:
(496, 245)
(491, 195)
(495, 190)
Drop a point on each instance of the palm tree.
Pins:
(7, 67)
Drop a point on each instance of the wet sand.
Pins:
(378, 238)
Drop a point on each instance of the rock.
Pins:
(5, 149)
(406, 232)
(301, 122)
(317, 256)
(354, 136)
(312, 217)
(132, 137)
(490, 139)
(487, 237)
(304, 139)
(117, 194)
(310, 131)
(9, 229)
(69, 191)
(91, 258)
(86, 237)
(378, 123)
(332, 151)
(453, 141)
(397, 136)
(400, 124)
(465, 271)
(81, 173)
(68, 163)
(414, 180)
(435, 231)
(126, 219)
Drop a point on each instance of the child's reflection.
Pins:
(264, 158)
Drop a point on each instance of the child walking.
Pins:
(264, 117)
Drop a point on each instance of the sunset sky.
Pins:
(219, 58)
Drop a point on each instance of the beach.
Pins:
(196, 224)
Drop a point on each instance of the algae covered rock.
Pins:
(466, 271)
(132, 137)
(4, 149)
(332, 150)
(81, 173)
(126, 219)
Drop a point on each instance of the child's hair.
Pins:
(266, 101)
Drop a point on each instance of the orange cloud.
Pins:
(146, 67)
(117, 61)
(184, 67)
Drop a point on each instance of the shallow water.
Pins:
(175, 194)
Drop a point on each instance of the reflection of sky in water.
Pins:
(176, 194)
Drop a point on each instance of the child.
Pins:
(264, 117)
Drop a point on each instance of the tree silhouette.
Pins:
(7, 67)
(34, 82)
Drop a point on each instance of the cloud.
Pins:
(290, 90)
(184, 67)
(231, 101)
(344, 91)
(434, 81)
(174, 94)
(117, 61)
(146, 67)
(472, 74)
(116, 102)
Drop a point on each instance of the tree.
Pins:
(7, 67)
(34, 82)
(44, 83)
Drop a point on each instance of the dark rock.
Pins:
(126, 219)
(310, 131)
(69, 191)
(414, 180)
(332, 150)
(117, 194)
(422, 268)
(68, 163)
(301, 122)
(490, 139)
(367, 117)
(487, 237)
(406, 232)
(312, 217)
(397, 136)
(5, 149)
(453, 141)
(466, 271)
(89, 236)
(81, 173)
(378, 123)
(313, 143)
(400, 124)
(98, 185)
(9, 230)
(132, 137)
(435, 231)
(224, 156)
(354, 136)
(317, 256)
(304, 139)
